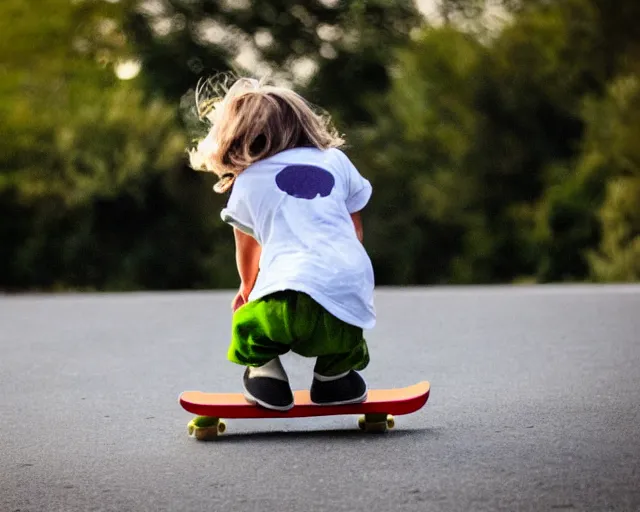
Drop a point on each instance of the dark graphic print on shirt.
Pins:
(305, 181)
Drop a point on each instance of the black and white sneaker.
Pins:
(268, 386)
(347, 388)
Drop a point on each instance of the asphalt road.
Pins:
(534, 406)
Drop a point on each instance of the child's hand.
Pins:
(238, 301)
(242, 297)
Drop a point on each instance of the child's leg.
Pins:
(337, 364)
(340, 349)
(260, 334)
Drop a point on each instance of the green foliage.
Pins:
(483, 143)
(618, 258)
(103, 200)
(612, 141)
(469, 134)
(414, 156)
(93, 186)
(570, 225)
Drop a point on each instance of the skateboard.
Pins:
(376, 413)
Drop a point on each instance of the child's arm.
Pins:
(248, 252)
(357, 224)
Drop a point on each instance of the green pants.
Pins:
(266, 328)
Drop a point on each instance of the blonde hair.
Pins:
(252, 121)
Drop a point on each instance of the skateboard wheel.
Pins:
(391, 422)
(222, 426)
(204, 428)
(206, 434)
(362, 424)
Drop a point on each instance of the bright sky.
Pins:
(428, 7)
(494, 15)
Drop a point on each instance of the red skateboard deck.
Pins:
(377, 410)
(234, 405)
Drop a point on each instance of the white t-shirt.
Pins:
(296, 204)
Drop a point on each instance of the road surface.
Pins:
(535, 406)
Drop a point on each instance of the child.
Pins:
(306, 279)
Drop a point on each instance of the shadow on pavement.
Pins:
(347, 435)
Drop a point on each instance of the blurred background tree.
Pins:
(500, 135)
(93, 186)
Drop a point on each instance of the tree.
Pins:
(498, 152)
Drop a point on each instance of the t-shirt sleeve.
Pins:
(359, 189)
(237, 212)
